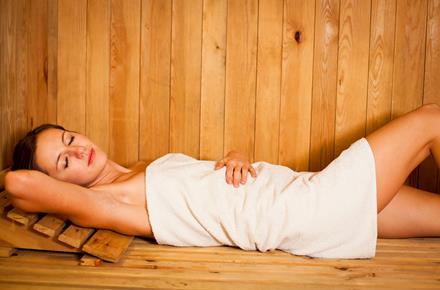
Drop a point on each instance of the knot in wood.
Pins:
(298, 36)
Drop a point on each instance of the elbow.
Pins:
(18, 183)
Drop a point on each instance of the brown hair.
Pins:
(24, 151)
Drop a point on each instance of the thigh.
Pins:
(398, 147)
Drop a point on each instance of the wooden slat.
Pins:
(325, 66)
(52, 59)
(212, 111)
(429, 174)
(155, 79)
(409, 56)
(124, 81)
(87, 260)
(22, 217)
(296, 91)
(98, 72)
(6, 252)
(185, 77)
(354, 36)
(75, 236)
(107, 245)
(25, 80)
(8, 40)
(21, 237)
(267, 111)
(72, 16)
(241, 63)
(41, 109)
(49, 225)
(408, 264)
(380, 78)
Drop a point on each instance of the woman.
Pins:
(178, 200)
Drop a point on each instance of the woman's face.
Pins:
(69, 156)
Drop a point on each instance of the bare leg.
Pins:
(400, 146)
(411, 213)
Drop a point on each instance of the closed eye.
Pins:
(71, 139)
(67, 163)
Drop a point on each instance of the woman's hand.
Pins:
(237, 167)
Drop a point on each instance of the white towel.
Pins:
(329, 214)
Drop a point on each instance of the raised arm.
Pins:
(33, 191)
(237, 168)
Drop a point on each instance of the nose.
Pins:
(77, 151)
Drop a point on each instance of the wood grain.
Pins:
(212, 103)
(325, 67)
(142, 78)
(241, 62)
(351, 100)
(399, 264)
(124, 81)
(72, 16)
(154, 134)
(409, 56)
(267, 110)
(40, 109)
(98, 72)
(8, 36)
(380, 77)
(24, 83)
(107, 245)
(296, 90)
(185, 77)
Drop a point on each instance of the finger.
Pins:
(229, 173)
(237, 176)
(219, 164)
(253, 172)
(244, 173)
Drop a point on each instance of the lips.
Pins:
(91, 156)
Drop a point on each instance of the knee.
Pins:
(430, 113)
(430, 109)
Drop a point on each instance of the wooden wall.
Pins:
(292, 82)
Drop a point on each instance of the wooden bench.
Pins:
(39, 231)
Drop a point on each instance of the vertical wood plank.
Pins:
(98, 72)
(40, 108)
(124, 81)
(267, 115)
(8, 28)
(409, 56)
(325, 67)
(212, 104)
(52, 59)
(72, 17)
(241, 59)
(428, 171)
(296, 92)
(18, 105)
(351, 103)
(380, 80)
(185, 77)
(155, 79)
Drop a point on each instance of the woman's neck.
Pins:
(111, 173)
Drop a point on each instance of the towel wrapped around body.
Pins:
(327, 214)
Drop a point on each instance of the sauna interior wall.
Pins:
(286, 81)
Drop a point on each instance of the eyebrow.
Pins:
(59, 155)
